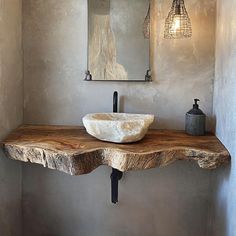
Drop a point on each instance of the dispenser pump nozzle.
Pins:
(196, 106)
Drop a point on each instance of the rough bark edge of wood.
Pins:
(84, 163)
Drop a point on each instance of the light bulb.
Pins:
(176, 23)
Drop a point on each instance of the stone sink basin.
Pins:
(117, 127)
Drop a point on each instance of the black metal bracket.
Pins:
(88, 76)
(148, 76)
(116, 175)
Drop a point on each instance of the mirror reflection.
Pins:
(119, 32)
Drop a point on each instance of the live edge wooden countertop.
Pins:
(73, 151)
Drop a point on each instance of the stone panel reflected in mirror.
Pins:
(118, 48)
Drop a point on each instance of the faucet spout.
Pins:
(115, 102)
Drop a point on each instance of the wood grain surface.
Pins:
(73, 151)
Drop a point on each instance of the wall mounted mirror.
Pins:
(118, 40)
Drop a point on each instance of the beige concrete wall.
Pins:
(171, 201)
(11, 113)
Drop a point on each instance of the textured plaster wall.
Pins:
(11, 113)
(170, 201)
(55, 58)
(224, 208)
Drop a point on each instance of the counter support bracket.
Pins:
(116, 175)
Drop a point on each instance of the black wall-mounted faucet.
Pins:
(116, 175)
(115, 102)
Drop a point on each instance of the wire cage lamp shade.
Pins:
(146, 25)
(178, 24)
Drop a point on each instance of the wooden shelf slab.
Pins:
(71, 150)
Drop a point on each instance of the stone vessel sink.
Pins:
(117, 127)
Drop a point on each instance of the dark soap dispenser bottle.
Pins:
(195, 123)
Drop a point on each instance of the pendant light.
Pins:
(178, 24)
(146, 25)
